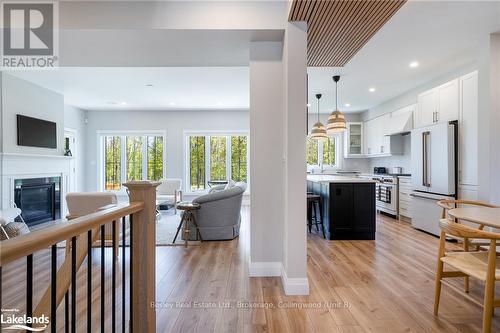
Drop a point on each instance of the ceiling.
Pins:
(441, 36)
(126, 88)
(449, 39)
(337, 29)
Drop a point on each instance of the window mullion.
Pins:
(123, 158)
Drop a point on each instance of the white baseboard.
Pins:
(294, 286)
(262, 269)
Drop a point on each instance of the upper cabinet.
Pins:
(438, 104)
(468, 130)
(377, 142)
(353, 140)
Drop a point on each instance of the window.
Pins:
(112, 163)
(312, 151)
(155, 157)
(216, 157)
(197, 162)
(239, 158)
(131, 157)
(322, 152)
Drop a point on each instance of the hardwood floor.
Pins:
(385, 285)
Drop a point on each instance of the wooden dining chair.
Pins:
(446, 205)
(481, 265)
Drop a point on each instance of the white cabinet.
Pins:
(468, 130)
(376, 142)
(353, 140)
(438, 104)
(404, 202)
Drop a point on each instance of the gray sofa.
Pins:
(219, 216)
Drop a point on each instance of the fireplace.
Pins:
(39, 199)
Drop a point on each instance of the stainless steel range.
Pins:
(386, 192)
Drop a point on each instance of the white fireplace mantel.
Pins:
(24, 166)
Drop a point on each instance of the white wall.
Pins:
(74, 118)
(266, 156)
(494, 151)
(22, 97)
(174, 123)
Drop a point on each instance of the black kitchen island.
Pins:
(348, 206)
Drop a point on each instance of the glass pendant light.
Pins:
(336, 120)
(318, 131)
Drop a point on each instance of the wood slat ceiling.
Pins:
(338, 29)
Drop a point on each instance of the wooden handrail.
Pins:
(21, 246)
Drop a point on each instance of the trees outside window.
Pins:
(155, 157)
(322, 152)
(216, 157)
(132, 157)
(239, 158)
(218, 169)
(112, 163)
(197, 162)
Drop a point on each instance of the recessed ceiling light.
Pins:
(149, 85)
(123, 103)
(347, 105)
(413, 64)
(171, 103)
(372, 89)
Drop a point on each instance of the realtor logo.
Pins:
(29, 34)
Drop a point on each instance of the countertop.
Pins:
(337, 179)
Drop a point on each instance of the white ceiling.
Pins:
(441, 36)
(173, 87)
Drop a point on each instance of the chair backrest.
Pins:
(168, 186)
(452, 228)
(84, 203)
(450, 204)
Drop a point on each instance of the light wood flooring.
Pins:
(385, 285)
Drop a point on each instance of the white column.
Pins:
(294, 275)
(266, 159)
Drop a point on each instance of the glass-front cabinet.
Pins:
(353, 140)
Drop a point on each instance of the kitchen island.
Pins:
(348, 205)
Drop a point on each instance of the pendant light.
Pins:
(336, 120)
(318, 131)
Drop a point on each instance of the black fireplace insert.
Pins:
(39, 199)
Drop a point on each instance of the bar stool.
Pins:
(187, 217)
(315, 206)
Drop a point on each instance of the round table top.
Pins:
(481, 215)
(186, 205)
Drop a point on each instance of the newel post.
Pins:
(143, 256)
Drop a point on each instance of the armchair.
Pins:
(84, 203)
(170, 190)
(219, 217)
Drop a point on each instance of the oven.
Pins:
(386, 191)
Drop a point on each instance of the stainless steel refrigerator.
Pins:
(434, 172)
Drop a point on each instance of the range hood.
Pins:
(400, 124)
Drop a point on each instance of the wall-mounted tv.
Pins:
(33, 132)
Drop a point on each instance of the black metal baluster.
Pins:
(29, 287)
(1, 287)
(73, 284)
(113, 282)
(53, 289)
(89, 281)
(123, 274)
(66, 312)
(102, 279)
(131, 270)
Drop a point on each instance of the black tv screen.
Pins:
(33, 132)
